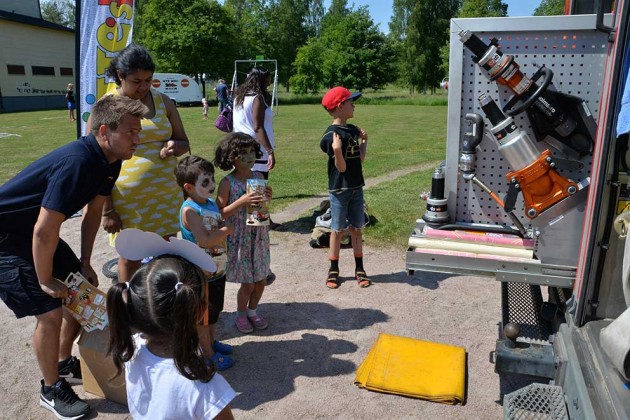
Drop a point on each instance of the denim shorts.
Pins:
(19, 286)
(346, 207)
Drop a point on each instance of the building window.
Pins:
(15, 69)
(43, 71)
(66, 71)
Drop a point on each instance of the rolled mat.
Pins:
(480, 237)
(477, 248)
(414, 368)
(473, 255)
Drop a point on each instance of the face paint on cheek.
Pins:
(204, 187)
(246, 160)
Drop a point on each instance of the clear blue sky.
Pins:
(381, 10)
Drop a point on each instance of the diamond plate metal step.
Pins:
(535, 402)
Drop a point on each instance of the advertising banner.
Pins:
(106, 28)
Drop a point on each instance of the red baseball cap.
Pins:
(336, 96)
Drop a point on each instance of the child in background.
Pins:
(346, 146)
(204, 108)
(200, 222)
(72, 105)
(165, 372)
(248, 246)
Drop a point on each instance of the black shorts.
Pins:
(215, 296)
(19, 287)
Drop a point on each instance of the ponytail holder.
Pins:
(178, 285)
(127, 285)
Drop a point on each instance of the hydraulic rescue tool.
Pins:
(564, 121)
(468, 164)
(533, 172)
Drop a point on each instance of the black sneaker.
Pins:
(62, 401)
(70, 370)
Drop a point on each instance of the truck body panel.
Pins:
(182, 89)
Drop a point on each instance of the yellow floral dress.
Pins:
(146, 195)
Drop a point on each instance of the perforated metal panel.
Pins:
(568, 45)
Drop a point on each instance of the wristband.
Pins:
(270, 151)
(105, 213)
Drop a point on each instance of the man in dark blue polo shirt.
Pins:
(33, 259)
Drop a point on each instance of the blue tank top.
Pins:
(211, 216)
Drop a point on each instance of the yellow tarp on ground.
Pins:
(414, 368)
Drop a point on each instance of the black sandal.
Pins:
(332, 281)
(362, 278)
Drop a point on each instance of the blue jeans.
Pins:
(346, 208)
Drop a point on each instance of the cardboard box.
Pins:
(97, 368)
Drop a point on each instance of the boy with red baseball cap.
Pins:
(346, 146)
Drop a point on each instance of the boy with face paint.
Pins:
(201, 223)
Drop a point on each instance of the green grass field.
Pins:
(400, 136)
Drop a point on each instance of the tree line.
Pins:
(315, 47)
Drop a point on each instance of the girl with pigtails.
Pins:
(153, 334)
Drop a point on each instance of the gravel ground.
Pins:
(303, 365)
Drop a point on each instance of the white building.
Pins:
(36, 58)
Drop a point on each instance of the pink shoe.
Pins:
(258, 321)
(243, 325)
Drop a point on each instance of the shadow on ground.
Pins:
(299, 316)
(424, 279)
(273, 367)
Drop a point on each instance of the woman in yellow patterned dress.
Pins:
(146, 195)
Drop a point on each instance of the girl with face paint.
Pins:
(248, 247)
(201, 222)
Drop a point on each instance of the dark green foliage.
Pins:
(483, 8)
(188, 36)
(550, 8)
(61, 12)
(351, 51)
(421, 29)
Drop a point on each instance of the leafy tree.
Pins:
(428, 32)
(188, 36)
(351, 52)
(309, 75)
(251, 27)
(314, 14)
(287, 33)
(401, 15)
(483, 8)
(550, 8)
(61, 12)
(399, 28)
(338, 8)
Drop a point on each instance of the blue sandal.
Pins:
(221, 362)
(222, 348)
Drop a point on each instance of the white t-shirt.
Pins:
(243, 119)
(156, 389)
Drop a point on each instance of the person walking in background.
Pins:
(153, 320)
(204, 108)
(346, 147)
(201, 223)
(146, 195)
(34, 260)
(253, 115)
(222, 94)
(71, 102)
(248, 247)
